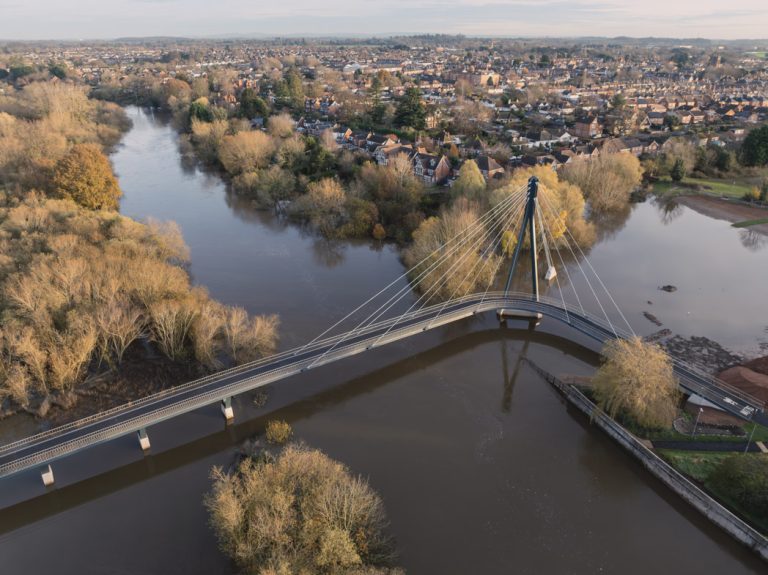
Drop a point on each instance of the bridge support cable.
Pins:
(433, 289)
(551, 272)
(553, 212)
(482, 263)
(544, 231)
(403, 292)
(458, 237)
(436, 264)
(509, 205)
(600, 281)
(562, 262)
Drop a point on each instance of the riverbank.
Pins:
(728, 210)
(659, 468)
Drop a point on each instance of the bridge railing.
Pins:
(219, 376)
(123, 427)
(677, 362)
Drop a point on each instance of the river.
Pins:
(482, 467)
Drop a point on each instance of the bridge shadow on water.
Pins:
(294, 407)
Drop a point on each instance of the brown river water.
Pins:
(482, 467)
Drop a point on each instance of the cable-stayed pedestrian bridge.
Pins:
(467, 252)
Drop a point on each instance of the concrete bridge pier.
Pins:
(47, 475)
(533, 318)
(226, 409)
(143, 439)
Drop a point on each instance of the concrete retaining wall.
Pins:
(672, 478)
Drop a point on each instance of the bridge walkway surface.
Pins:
(46, 447)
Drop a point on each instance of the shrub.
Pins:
(677, 173)
(744, 480)
(300, 512)
(379, 233)
(278, 431)
(260, 398)
(753, 195)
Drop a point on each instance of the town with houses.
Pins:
(185, 222)
(506, 104)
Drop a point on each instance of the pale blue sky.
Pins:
(74, 19)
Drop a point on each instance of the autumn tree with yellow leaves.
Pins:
(636, 379)
(85, 176)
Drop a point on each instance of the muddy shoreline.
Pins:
(727, 210)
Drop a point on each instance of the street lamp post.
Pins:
(696, 423)
(750, 438)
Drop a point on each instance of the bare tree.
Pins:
(118, 325)
(248, 339)
(246, 151)
(70, 353)
(207, 334)
(280, 126)
(328, 140)
(171, 324)
(606, 181)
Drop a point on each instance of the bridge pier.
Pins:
(143, 439)
(47, 476)
(226, 409)
(533, 318)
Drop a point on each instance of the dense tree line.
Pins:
(79, 287)
(337, 193)
(79, 284)
(40, 124)
(473, 267)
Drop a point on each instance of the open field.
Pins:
(726, 188)
(699, 465)
(749, 223)
(695, 464)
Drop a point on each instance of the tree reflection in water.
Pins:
(669, 209)
(329, 253)
(752, 240)
(609, 223)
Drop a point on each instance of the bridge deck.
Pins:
(43, 448)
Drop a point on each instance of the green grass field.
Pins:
(698, 465)
(760, 434)
(695, 464)
(727, 188)
(747, 223)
